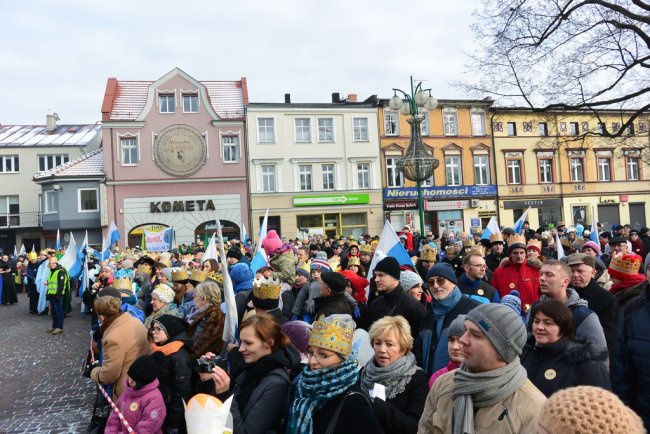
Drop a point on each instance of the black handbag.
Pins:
(101, 411)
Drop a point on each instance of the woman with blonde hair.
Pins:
(206, 322)
(394, 367)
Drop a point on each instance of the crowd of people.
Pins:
(506, 334)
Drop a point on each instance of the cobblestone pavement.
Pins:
(41, 387)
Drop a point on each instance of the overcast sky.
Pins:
(57, 55)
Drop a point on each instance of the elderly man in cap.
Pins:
(618, 246)
(392, 299)
(448, 302)
(490, 392)
(517, 274)
(601, 301)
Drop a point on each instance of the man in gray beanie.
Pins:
(490, 392)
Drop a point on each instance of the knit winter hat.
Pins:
(513, 300)
(588, 410)
(457, 326)
(241, 276)
(390, 266)
(127, 264)
(593, 246)
(109, 291)
(303, 273)
(271, 243)
(502, 326)
(622, 267)
(164, 293)
(320, 264)
(443, 269)
(298, 332)
(234, 252)
(335, 281)
(171, 325)
(408, 279)
(143, 370)
(167, 272)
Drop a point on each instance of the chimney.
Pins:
(336, 97)
(287, 98)
(50, 122)
(352, 97)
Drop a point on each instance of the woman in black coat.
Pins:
(554, 360)
(394, 367)
(173, 350)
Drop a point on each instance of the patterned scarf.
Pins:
(394, 377)
(315, 389)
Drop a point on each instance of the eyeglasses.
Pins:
(319, 356)
(478, 265)
(438, 281)
(156, 330)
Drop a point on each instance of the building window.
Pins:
(88, 199)
(573, 128)
(630, 130)
(325, 129)
(543, 129)
(393, 175)
(604, 169)
(424, 125)
(427, 182)
(328, 176)
(190, 103)
(167, 103)
(129, 147)
(230, 149)
(303, 130)
(266, 130)
(50, 204)
(9, 164)
(512, 128)
(391, 122)
(514, 170)
(48, 162)
(481, 170)
(453, 170)
(360, 129)
(577, 169)
(545, 170)
(363, 175)
(632, 167)
(450, 121)
(478, 123)
(601, 128)
(304, 171)
(268, 178)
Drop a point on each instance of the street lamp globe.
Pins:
(395, 102)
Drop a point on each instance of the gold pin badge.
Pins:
(134, 406)
(480, 292)
(512, 285)
(550, 374)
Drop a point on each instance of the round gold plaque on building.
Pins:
(180, 150)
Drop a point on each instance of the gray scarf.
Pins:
(482, 389)
(394, 377)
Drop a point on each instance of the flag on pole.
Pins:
(519, 225)
(71, 259)
(22, 250)
(491, 228)
(58, 241)
(211, 249)
(15, 252)
(593, 235)
(558, 247)
(112, 237)
(230, 327)
(244, 235)
(83, 256)
(389, 245)
(259, 259)
(41, 285)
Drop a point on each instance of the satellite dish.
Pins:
(56, 116)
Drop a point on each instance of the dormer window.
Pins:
(167, 103)
(190, 103)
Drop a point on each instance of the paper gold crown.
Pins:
(517, 239)
(266, 289)
(626, 264)
(450, 249)
(366, 248)
(334, 333)
(123, 283)
(428, 254)
(32, 256)
(179, 275)
(354, 261)
(496, 238)
(198, 276)
(480, 249)
(216, 276)
(468, 243)
(534, 243)
(144, 268)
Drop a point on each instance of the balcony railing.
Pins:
(23, 219)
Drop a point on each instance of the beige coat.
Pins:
(124, 341)
(522, 407)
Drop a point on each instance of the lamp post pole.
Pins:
(417, 164)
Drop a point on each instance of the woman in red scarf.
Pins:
(627, 281)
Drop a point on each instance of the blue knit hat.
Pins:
(443, 269)
(241, 276)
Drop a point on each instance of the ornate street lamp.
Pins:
(417, 165)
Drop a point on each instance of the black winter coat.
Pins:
(483, 289)
(334, 304)
(565, 363)
(632, 368)
(401, 414)
(397, 302)
(356, 415)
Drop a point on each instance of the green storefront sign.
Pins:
(332, 199)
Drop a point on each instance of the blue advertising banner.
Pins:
(404, 193)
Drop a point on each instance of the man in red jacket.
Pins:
(515, 273)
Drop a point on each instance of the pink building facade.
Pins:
(174, 155)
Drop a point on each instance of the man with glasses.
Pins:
(471, 282)
(448, 302)
(515, 273)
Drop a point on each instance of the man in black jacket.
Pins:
(471, 282)
(392, 299)
(601, 301)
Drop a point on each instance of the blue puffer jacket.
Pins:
(632, 364)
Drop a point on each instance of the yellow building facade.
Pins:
(561, 166)
(461, 194)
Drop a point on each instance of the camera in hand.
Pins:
(206, 365)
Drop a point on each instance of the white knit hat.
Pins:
(408, 279)
(164, 293)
